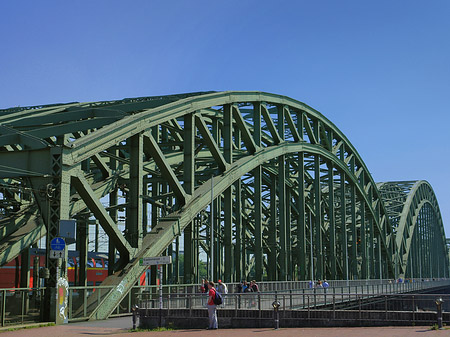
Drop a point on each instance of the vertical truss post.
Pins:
(289, 259)
(134, 210)
(54, 206)
(238, 257)
(343, 211)
(282, 217)
(257, 123)
(353, 230)
(363, 242)
(318, 219)
(83, 243)
(25, 268)
(332, 221)
(189, 185)
(228, 194)
(177, 261)
(113, 199)
(282, 200)
(301, 221)
(257, 173)
(371, 249)
(217, 237)
(272, 233)
(379, 261)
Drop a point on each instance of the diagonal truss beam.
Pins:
(166, 170)
(109, 226)
(210, 142)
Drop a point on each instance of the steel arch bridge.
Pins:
(256, 184)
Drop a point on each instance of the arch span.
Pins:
(253, 184)
(414, 212)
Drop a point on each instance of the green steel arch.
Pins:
(256, 184)
(420, 239)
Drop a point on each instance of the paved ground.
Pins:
(120, 327)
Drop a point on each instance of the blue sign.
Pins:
(57, 244)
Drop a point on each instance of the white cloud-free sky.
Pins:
(379, 70)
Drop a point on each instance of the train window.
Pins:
(90, 263)
(98, 263)
(106, 263)
(70, 262)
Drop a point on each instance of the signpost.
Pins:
(152, 261)
(57, 244)
(57, 247)
(56, 254)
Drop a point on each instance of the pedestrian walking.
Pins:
(212, 312)
(204, 290)
(254, 286)
(223, 290)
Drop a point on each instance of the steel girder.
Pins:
(292, 197)
(414, 212)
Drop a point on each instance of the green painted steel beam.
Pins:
(110, 227)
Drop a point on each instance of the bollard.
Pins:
(135, 309)
(439, 302)
(276, 305)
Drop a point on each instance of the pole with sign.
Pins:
(159, 261)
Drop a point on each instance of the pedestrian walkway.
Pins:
(121, 327)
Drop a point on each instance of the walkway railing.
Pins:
(22, 305)
(292, 299)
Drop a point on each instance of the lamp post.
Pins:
(439, 302)
(276, 306)
(135, 309)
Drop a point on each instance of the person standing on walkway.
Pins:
(222, 289)
(212, 314)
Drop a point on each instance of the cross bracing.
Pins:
(292, 198)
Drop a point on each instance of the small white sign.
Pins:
(152, 261)
(57, 254)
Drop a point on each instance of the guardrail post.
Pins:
(315, 297)
(259, 305)
(168, 304)
(290, 299)
(309, 313)
(3, 306)
(23, 304)
(85, 296)
(303, 302)
(359, 304)
(385, 307)
(413, 310)
(190, 304)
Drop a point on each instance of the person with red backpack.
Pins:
(212, 313)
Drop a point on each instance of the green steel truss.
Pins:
(414, 214)
(292, 198)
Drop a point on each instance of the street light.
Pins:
(439, 302)
(135, 309)
(276, 305)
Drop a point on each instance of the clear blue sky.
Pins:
(380, 70)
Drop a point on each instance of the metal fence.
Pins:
(290, 299)
(305, 309)
(20, 306)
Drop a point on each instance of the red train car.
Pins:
(97, 268)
